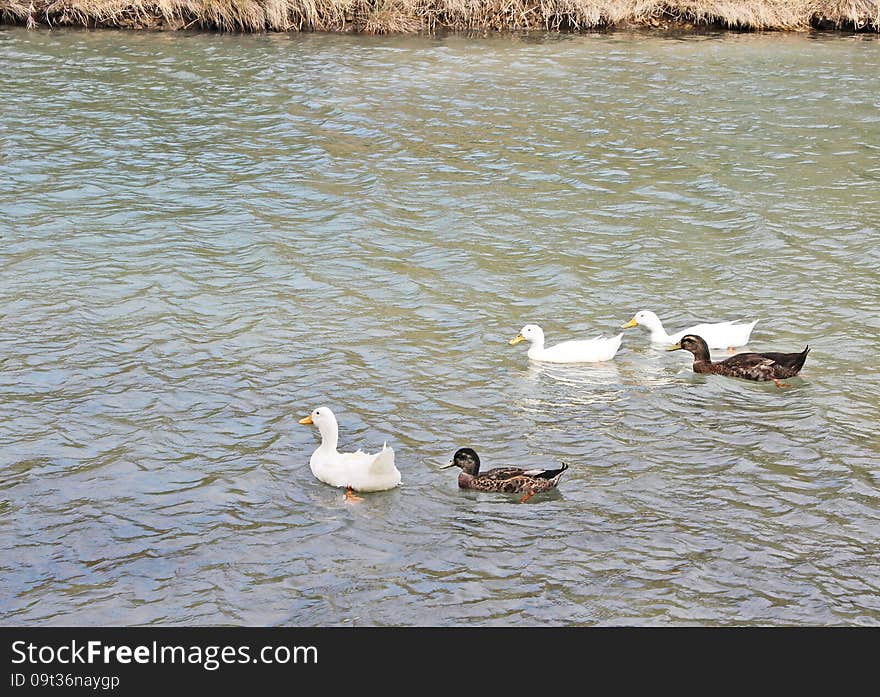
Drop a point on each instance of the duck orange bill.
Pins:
(631, 323)
(307, 420)
(676, 347)
(516, 339)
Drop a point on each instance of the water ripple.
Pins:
(207, 236)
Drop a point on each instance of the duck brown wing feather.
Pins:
(763, 366)
(788, 364)
(743, 361)
(500, 474)
(759, 370)
(503, 473)
(547, 474)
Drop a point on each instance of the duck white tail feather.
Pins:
(384, 460)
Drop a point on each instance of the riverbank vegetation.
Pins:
(394, 16)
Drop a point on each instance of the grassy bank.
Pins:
(391, 16)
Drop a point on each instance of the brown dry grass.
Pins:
(402, 16)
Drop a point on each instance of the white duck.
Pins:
(585, 351)
(358, 471)
(716, 335)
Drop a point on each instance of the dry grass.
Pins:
(402, 16)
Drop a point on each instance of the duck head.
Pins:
(695, 344)
(531, 333)
(325, 420)
(467, 460)
(646, 318)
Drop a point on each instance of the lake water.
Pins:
(203, 237)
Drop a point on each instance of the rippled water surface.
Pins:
(204, 237)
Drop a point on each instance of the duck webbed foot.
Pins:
(780, 384)
(731, 350)
(527, 496)
(351, 496)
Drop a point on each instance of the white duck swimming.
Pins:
(582, 351)
(358, 471)
(717, 335)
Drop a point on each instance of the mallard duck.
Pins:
(582, 351)
(751, 366)
(716, 335)
(358, 471)
(509, 480)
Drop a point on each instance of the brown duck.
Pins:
(508, 480)
(762, 367)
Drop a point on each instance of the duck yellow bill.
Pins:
(631, 323)
(447, 465)
(676, 347)
(516, 339)
(307, 420)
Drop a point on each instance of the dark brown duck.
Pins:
(762, 367)
(508, 480)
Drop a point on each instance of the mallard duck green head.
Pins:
(467, 460)
(695, 344)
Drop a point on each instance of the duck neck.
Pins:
(471, 469)
(658, 333)
(329, 436)
(537, 346)
(701, 358)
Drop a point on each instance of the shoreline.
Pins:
(433, 16)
